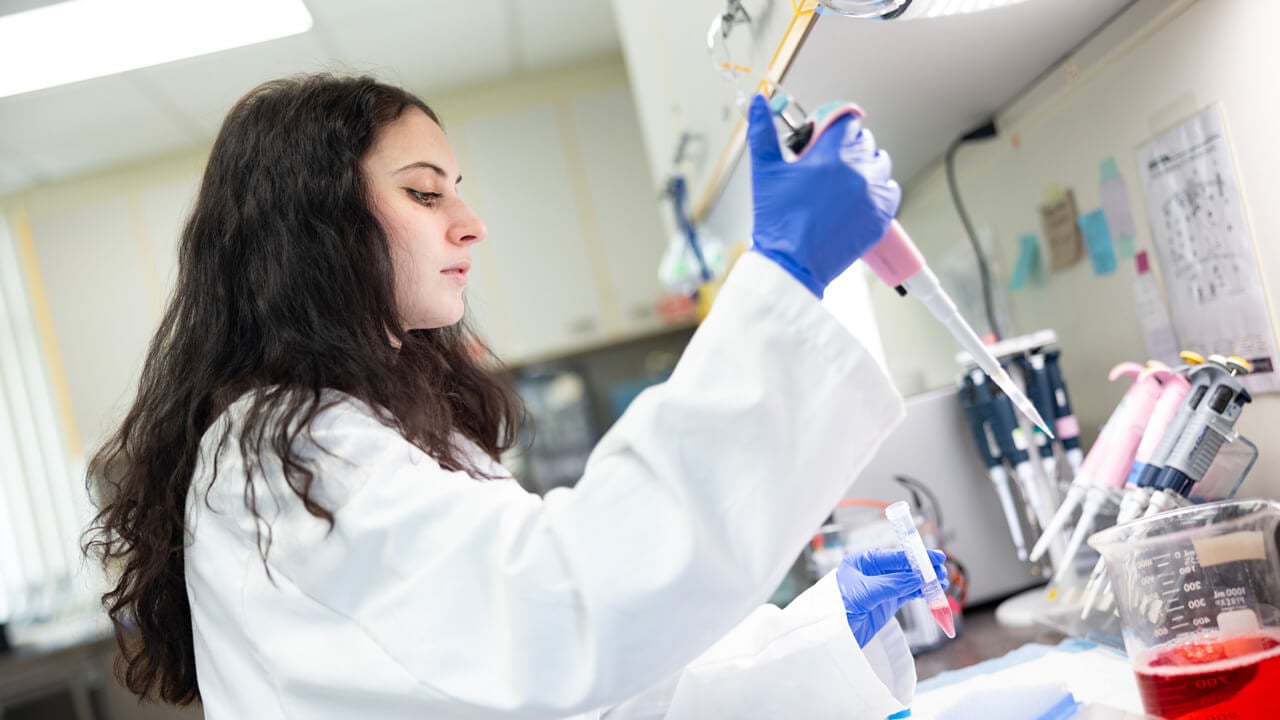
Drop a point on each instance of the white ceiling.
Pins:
(428, 46)
(925, 82)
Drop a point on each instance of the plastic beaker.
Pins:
(1198, 591)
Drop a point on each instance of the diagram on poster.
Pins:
(1201, 238)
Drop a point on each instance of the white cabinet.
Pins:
(573, 214)
(163, 211)
(541, 272)
(624, 206)
(102, 302)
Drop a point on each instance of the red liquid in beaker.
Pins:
(1213, 679)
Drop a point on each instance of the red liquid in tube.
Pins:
(1212, 678)
(942, 614)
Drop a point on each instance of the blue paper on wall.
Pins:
(1097, 239)
(1028, 267)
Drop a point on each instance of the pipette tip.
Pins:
(1030, 411)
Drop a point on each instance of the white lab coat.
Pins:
(634, 595)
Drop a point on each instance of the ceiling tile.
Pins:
(85, 126)
(425, 45)
(557, 32)
(204, 88)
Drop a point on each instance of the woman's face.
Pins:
(413, 180)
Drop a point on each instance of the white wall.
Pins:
(1135, 78)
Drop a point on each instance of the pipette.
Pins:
(1195, 435)
(899, 516)
(975, 398)
(1203, 437)
(1136, 495)
(1037, 383)
(1013, 444)
(1200, 377)
(1122, 445)
(1064, 420)
(1095, 460)
(896, 259)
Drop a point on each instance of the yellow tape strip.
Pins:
(802, 17)
(44, 328)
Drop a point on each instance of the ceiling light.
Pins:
(82, 39)
(909, 9)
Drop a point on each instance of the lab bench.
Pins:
(981, 639)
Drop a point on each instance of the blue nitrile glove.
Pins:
(819, 214)
(874, 584)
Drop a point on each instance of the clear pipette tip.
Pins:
(1019, 399)
(925, 286)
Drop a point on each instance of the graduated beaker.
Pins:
(1198, 592)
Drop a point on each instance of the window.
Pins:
(44, 507)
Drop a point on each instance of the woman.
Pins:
(304, 505)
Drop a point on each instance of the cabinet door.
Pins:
(519, 181)
(625, 204)
(165, 208)
(103, 302)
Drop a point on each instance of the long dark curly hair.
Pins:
(285, 287)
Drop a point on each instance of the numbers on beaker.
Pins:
(1196, 604)
(1191, 586)
(1201, 621)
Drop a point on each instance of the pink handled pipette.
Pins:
(899, 263)
(1122, 446)
(1103, 459)
(1134, 500)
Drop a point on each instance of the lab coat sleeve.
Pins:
(801, 661)
(689, 513)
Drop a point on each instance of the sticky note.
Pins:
(1028, 266)
(1097, 238)
(1109, 170)
(1060, 224)
(1115, 203)
(1124, 247)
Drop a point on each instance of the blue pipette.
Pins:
(975, 398)
(1065, 424)
(1041, 395)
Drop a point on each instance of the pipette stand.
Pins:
(1221, 481)
(1061, 596)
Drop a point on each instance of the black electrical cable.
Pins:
(982, 132)
(914, 486)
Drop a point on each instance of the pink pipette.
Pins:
(899, 263)
(1108, 461)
